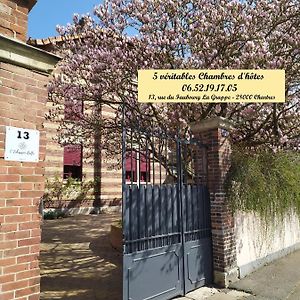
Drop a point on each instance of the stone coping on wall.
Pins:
(212, 123)
(20, 54)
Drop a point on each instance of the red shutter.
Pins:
(72, 155)
(130, 161)
(145, 163)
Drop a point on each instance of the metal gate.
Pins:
(166, 216)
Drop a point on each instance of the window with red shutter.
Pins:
(144, 167)
(137, 167)
(73, 161)
(73, 153)
(131, 166)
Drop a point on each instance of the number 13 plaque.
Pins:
(22, 144)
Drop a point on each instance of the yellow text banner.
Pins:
(211, 86)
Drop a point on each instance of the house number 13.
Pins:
(25, 135)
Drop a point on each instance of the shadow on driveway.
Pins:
(77, 261)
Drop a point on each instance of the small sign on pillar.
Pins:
(22, 144)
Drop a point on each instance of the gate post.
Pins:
(24, 73)
(214, 133)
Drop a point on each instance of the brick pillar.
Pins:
(14, 17)
(24, 73)
(215, 134)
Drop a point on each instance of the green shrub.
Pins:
(54, 214)
(58, 189)
(265, 183)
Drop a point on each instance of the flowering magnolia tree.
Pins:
(102, 54)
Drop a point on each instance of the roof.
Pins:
(51, 40)
(49, 43)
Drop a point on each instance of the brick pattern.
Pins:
(218, 164)
(108, 193)
(14, 18)
(23, 95)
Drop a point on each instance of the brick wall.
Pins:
(14, 18)
(22, 104)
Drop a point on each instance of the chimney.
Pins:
(14, 18)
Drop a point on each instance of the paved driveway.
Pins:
(278, 280)
(77, 261)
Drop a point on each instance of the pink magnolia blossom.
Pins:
(100, 65)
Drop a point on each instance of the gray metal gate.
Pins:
(166, 217)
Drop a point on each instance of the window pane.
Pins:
(73, 171)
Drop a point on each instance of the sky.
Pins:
(46, 14)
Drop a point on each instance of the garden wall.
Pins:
(257, 245)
